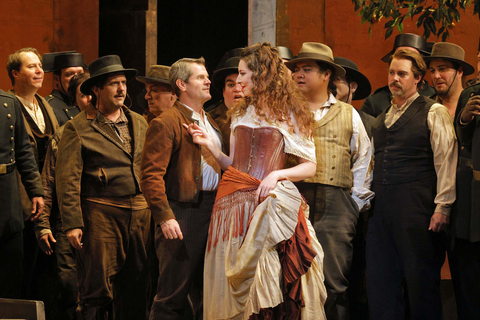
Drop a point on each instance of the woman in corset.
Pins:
(263, 259)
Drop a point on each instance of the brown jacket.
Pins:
(171, 163)
(94, 163)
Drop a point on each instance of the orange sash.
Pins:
(234, 180)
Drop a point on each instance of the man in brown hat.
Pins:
(413, 180)
(104, 213)
(64, 66)
(224, 80)
(340, 188)
(179, 180)
(159, 93)
(381, 98)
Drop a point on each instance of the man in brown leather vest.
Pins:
(179, 180)
(414, 185)
(340, 187)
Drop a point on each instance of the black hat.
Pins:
(229, 54)
(364, 88)
(218, 77)
(60, 60)
(285, 53)
(156, 74)
(408, 40)
(451, 52)
(103, 66)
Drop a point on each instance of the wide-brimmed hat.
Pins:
(364, 87)
(103, 66)
(450, 52)
(408, 40)
(60, 60)
(316, 52)
(218, 77)
(229, 54)
(156, 74)
(284, 53)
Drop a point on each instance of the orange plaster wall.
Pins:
(48, 25)
(340, 28)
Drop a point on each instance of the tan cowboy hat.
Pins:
(156, 74)
(316, 52)
(451, 52)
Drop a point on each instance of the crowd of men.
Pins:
(122, 201)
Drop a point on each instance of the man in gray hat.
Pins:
(340, 187)
(64, 66)
(381, 98)
(104, 213)
(224, 80)
(159, 93)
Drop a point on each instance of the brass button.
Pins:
(472, 94)
(12, 150)
(71, 118)
(11, 160)
(333, 168)
(11, 127)
(12, 138)
(9, 116)
(463, 147)
(334, 156)
(66, 110)
(5, 105)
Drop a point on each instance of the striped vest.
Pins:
(332, 147)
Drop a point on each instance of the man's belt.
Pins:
(7, 168)
(465, 162)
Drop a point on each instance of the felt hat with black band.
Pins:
(408, 40)
(156, 74)
(284, 53)
(316, 52)
(229, 54)
(364, 87)
(218, 77)
(451, 52)
(60, 60)
(104, 66)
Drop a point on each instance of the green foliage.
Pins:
(435, 16)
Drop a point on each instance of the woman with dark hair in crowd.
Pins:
(263, 259)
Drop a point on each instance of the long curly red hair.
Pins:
(275, 95)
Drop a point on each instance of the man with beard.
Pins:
(224, 80)
(381, 98)
(414, 185)
(104, 214)
(179, 180)
(64, 66)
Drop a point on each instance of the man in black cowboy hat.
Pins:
(415, 162)
(224, 80)
(340, 188)
(381, 98)
(464, 257)
(104, 213)
(64, 66)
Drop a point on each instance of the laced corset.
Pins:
(258, 151)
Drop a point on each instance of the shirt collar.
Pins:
(406, 104)
(195, 115)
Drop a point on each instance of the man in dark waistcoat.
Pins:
(224, 80)
(24, 68)
(465, 256)
(414, 185)
(64, 66)
(104, 214)
(380, 99)
(15, 152)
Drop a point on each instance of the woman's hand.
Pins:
(267, 185)
(200, 136)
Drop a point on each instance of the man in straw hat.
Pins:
(381, 98)
(224, 80)
(464, 258)
(64, 66)
(413, 180)
(159, 93)
(180, 180)
(340, 188)
(104, 213)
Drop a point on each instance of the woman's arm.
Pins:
(201, 137)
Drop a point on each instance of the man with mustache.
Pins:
(414, 184)
(25, 70)
(104, 214)
(179, 180)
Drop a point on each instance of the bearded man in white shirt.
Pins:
(414, 183)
